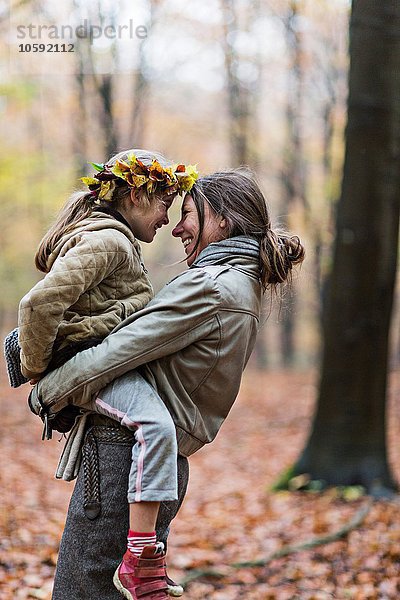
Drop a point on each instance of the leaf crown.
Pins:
(175, 179)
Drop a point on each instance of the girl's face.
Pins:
(145, 220)
(188, 228)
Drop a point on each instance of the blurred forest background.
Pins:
(223, 83)
(217, 83)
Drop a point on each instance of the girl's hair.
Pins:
(80, 205)
(236, 196)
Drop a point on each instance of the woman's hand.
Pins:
(34, 378)
(65, 419)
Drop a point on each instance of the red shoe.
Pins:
(143, 577)
(174, 589)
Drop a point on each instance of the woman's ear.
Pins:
(223, 223)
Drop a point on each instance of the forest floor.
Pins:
(230, 514)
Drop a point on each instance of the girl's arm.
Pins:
(42, 309)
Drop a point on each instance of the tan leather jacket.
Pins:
(194, 338)
(96, 279)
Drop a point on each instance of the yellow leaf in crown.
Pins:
(188, 178)
(131, 158)
(90, 181)
(106, 190)
(150, 187)
(170, 171)
(192, 173)
(156, 172)
(120, 169)
(138, 180)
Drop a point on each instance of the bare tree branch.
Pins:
(321, 540)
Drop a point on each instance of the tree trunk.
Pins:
(79, 144)
(293, 174)
(105, 90)
(243, 102)
(141, 85)
(243, 96)
(347, 443)
(238, 105)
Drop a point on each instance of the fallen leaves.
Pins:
(229, 515)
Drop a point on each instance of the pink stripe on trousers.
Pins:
(124, 420)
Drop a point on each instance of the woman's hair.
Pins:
(236, 196)
(80, 205)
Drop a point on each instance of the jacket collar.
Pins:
(239, 251)
(114, 213)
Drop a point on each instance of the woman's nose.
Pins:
(177, 230)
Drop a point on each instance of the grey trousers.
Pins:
(91, 550)
(135, 404)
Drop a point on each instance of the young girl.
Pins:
(94, 279)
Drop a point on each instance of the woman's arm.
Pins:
(177, 317)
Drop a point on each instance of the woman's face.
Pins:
(188, 228)
(145, 220)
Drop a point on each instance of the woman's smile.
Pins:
(188, 229)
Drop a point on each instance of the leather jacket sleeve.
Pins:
(177, 317)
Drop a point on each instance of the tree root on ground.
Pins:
(320, 540)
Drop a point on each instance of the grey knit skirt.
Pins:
(91, 550)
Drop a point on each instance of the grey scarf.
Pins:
(220, 252)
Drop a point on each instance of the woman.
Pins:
(193, 340)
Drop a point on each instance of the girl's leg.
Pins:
(135, 404)
(143, 516)
(153, 477)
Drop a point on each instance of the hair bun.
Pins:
(280, 252)
(293, 248)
